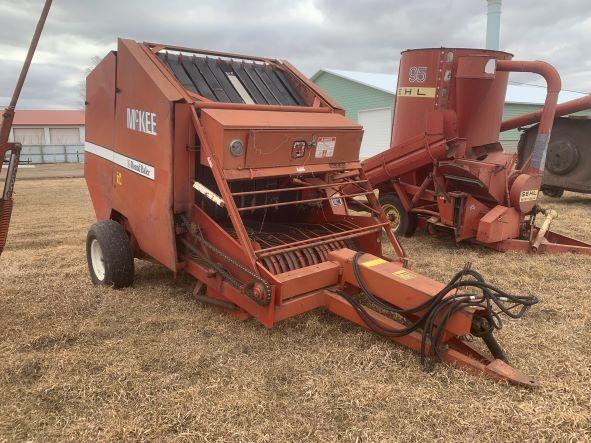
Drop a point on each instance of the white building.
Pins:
(49, 136)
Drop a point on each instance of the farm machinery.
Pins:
(446, 170)
(240, 172)
(13, 150)
(568, 162)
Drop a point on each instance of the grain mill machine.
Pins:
(234, 169)
(446, 170)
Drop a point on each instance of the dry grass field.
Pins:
(149, 363)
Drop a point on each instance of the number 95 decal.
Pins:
(417, 74)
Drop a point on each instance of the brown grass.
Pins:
(79, 363)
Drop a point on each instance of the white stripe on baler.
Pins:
(128, 163)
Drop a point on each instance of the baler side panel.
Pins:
(144, 141)
(184, 158)
(100, 117)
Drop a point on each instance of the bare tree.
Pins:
(94, 61)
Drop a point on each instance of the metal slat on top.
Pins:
(197, 78)
(178, 72)
(260, 85)
(248, 84)
(221, 77)
(269, 84)
(294, 93)
(289, 100)
(232, 81)
(214, 85)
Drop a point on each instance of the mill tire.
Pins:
(109, 255)
(553, 192)
(402, 222)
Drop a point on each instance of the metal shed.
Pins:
(49, 136)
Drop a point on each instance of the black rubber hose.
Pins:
(441, 308)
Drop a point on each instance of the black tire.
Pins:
(108, 243)
(553, 192)
(402, 222)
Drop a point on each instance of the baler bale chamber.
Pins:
(240, 172)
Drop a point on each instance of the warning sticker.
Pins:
(325, 146)
(336, 201)
(412, 91)
(404, 274)
(528, 196)
(374, 262)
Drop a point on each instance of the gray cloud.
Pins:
(357, 35)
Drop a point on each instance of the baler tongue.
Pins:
(435, 319)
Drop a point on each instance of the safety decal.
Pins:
(325, 146)
(413, 91)
(528, 196)
(298, 149)
(404, 274)
(374, 262)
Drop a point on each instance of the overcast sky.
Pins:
(362, 35)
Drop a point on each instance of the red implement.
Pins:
(242, 173)
(446, 170)
(13, 149)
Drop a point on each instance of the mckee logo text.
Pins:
(141, 121)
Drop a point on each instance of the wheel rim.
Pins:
(393, 215)
(97, 260)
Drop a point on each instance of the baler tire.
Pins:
(108, 242)
(407, 223)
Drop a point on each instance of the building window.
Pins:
(64, 136)
(29, 136)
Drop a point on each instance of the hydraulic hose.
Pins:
(439, 309)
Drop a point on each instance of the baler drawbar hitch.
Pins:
(432, 315)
